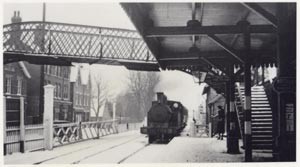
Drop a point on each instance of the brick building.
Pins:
(59, 76)
(80, 85)
(15, 79)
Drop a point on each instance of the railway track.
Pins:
(113, 147)
(90, 155)
(124, 159)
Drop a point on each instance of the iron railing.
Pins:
(71, 40)
(74, 132)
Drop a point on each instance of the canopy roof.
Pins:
(206, 36)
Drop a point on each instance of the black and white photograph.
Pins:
(171, 82)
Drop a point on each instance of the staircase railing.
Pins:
(239, 120)
(272, 98)
(238, 88)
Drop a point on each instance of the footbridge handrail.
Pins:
(73, 40)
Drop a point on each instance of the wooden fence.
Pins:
(22, 138)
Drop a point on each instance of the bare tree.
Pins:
(142, 85)
(100, 94)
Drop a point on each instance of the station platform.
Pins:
(133, 147)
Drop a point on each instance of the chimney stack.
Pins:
(161, 98)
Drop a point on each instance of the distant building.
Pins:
(200, 115)
(58, 76)
(105, 112)
(213, 100)
(15, 79)
(80, 94)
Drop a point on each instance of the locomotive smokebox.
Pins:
(160, 113)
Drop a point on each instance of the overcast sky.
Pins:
(176, 85)
(96, 14)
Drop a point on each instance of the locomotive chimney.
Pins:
(161, 98)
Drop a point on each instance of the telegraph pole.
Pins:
(42, 75)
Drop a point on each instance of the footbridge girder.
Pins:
(61, 44)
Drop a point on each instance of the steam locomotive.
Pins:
(165, 119)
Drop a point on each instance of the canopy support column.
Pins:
(247, 101)
(285, 84)
(233, 138)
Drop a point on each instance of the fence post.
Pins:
(97, 129)
(80, 130)
(48, 116)
(4, 125)
(22, 125)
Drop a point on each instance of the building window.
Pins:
(19, 86)
(59, 90)
(7, 84)
(75, 99)
(84, 100)
(9, 67)
(57, 71)
(88, 100)
(80, 99)
(48, 69)
(65, 92)
(66, 72)
(23, 87)
(55, 90)
(45, 68)
(56, 115)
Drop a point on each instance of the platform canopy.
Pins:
(206, 37)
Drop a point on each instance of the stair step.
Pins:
(259, 98)
(262, 124)
(262, 137)
(261, 130)
(262, 133)
(260, 102)
(257, 93)
(262, 146)
(261, 116)
(261, 113)
(260, 105)
(261, 109)
(261, 141)
(261, 120)
(258, 128)
(262, 98)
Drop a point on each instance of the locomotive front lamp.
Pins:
(200, 76)
(175, 105)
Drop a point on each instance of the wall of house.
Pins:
(33, 93)
(14, 87)
(56, 76)
(59, 76)
(81, 95)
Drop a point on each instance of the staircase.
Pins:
(261, 118)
